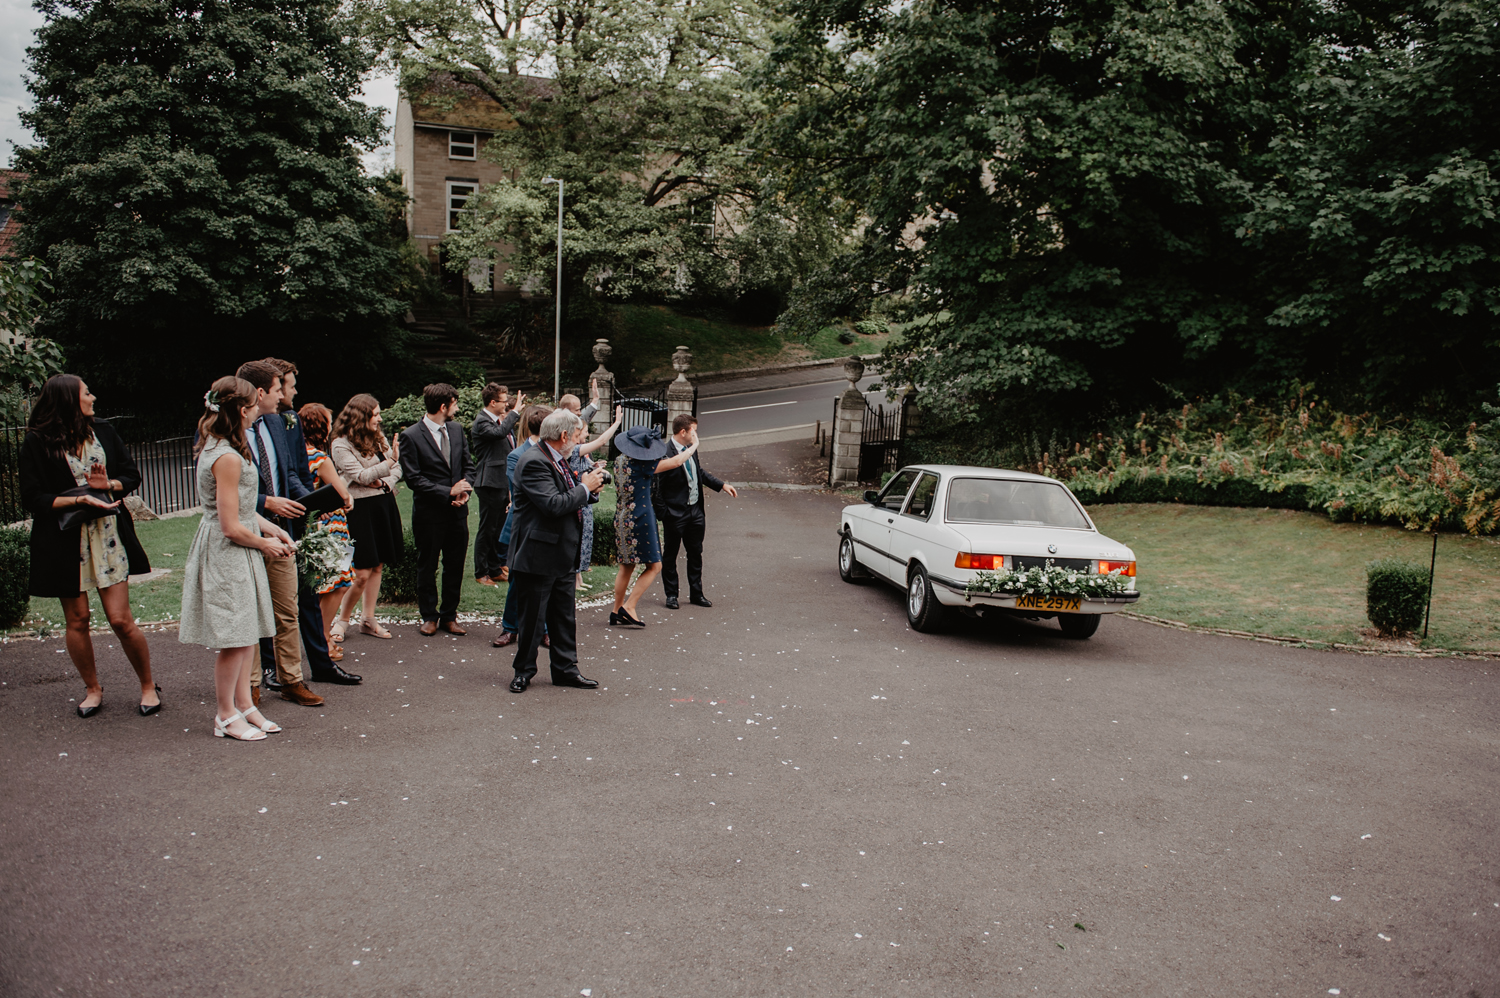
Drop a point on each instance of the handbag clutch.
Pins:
(323, 499)
(84, 512)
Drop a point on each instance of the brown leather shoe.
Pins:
(485, 580)
(299, 694)
(255, 695)
(505, 574)
(505, 638)
(428, 628)
(452, 627)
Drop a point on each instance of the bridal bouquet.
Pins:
(1049, 581)
(322, 555)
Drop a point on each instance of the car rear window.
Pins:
(1029, 504)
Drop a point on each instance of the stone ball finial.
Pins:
(602, 351)
(854, 369)
(682, 359)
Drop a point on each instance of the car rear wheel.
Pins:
(923, 612)
(850, 569)
(1079, 625)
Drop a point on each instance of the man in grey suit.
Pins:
(544, 542)
(492, 437)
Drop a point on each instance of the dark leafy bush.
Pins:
(398, 583)
(1395, 595)
(15, 572)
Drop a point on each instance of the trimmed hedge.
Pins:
(15, 575)
(398, 583)
(1395, 595)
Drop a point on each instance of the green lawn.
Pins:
(649, 334)
(1297, 574)
(167, 541)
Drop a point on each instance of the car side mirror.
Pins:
(872, 497)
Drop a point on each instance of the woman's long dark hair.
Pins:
(57, 417)
(354, 423)
(221, 417)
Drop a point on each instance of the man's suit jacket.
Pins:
(291, 477)
(429, 477)
(673, 488)
(491, 447)
(546, 531)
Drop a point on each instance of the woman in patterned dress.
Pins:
(317, 420)
(579, 462)
(226, 600)
(65, 451)
(643, 455)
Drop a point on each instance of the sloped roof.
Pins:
(454, 103)
(12, 224)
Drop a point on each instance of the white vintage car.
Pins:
(934, 527)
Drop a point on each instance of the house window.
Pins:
(461, 145)
(458, 200)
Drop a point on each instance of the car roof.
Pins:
(975, 470)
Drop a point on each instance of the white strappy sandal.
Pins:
(265, 724)
(221, 729)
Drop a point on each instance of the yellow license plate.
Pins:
(1057, 604)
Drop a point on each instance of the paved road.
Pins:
(787, 794)
(774, 408)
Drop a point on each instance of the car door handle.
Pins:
(891, 520)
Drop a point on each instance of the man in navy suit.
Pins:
(436, 467)
(547, 503)
(280, 488)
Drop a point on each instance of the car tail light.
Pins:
(1123, 567)
(983, 562)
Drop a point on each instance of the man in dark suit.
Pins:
(546, 532)
(280, 488)
(683, 523)
(436, 467)
(493, 435)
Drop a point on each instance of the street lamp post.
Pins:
(557, 333)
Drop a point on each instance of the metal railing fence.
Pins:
(168, 474)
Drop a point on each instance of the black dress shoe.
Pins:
(701, 601)
(581, 682)
(626, 618)
(671, 602)
(91, 711)
(336, 675)
(147, 709)
(269, 681)
(519, 684)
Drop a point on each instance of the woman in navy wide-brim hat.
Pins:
(643, 454)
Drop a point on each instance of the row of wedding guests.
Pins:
(241, 586)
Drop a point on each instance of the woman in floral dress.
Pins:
(643, 455)
(317, 421)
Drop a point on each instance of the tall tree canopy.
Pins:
(643, 108)
(1089, 202)
(197, 191)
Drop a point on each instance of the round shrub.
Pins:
(398, 583)
(15, 574)
(1395, 595)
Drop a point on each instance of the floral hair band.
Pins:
(211, 400)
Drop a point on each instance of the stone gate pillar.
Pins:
(680, 392)
(848, 428)
(606, 382)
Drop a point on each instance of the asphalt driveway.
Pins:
(786, 794)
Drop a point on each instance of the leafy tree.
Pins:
(32, 359)
(1096, 205)
(645, 113)
(197, 192)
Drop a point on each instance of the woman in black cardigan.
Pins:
(85, 555)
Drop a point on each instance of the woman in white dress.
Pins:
(226, 601)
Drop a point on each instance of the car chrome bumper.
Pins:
(1007, 601)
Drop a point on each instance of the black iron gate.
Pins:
(880, 440)
(646, 409)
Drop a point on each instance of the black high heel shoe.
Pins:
(148, 709)
(626, 618)
(91, 711)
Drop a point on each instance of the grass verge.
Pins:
(1297, 574)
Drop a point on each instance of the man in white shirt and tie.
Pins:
(435, 465)
(682, 516)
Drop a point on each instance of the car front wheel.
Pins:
(1079, 625)
(849, 568)
(923, 612)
